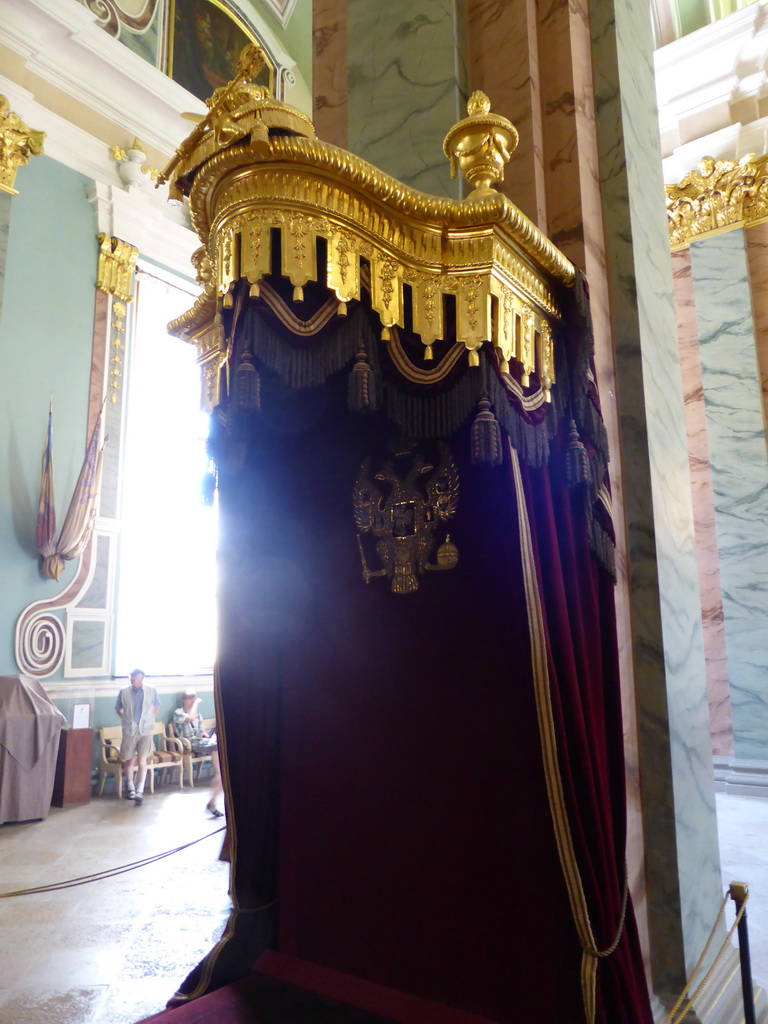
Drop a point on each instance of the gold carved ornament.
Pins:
(117, 261)
(17, 144)
(717, 196)
(401, 506)
(253, 168)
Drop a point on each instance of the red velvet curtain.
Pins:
(578, 618)
(425, 790)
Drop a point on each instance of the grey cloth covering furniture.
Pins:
(30, 725)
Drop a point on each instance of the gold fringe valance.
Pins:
(267, 198)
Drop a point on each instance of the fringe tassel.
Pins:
(486, 437)
(603, 547)
(424, 417)
(576, 459)
(247, 385)
(530, 440)
(308, 366)
(361, 394)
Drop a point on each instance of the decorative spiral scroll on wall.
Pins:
(111, 15)
(40, 645)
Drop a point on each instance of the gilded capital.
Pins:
(716, 196)
(117, 260)
(17, 144)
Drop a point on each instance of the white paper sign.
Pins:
(81, 716)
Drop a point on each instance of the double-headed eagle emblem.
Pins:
(401, 506)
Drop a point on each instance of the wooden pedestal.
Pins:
(72, 784)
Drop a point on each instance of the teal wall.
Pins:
(46, 327)
(296, 37)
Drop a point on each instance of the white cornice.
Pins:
(158, 231)
(731, 143)
(712, 79)
(64, 142)
(140, 216)
(61, 43)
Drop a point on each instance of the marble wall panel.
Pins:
(329, 70)
(703, 510)
(737, 447)
(496, 26)
(97, 594)
(88, 640)
(682, 873)
(757, 254)
(407, 86)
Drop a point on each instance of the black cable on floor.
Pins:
(108, 872)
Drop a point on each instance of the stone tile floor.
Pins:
(113, 950)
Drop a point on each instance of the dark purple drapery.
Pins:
(425, 791)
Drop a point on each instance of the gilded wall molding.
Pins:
(17, 144)
(718, 195)
(117, 262)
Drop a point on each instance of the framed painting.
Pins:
(204, 41)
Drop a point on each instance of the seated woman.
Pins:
(188, 723)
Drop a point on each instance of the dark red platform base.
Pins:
(284, 990)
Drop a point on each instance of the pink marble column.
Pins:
(553, 178)
(329, 70)
(703, 510)
(496, 26)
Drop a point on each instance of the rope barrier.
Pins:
(676, 1018)
(98, 876)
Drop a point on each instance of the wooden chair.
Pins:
(167, 754)
(110, 737)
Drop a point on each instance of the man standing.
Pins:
(137, 706)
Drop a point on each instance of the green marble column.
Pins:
(737, 455)
(682, 869)
(407, 86)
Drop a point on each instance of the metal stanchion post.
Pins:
(739, 892)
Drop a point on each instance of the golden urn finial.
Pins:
(481, 145)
